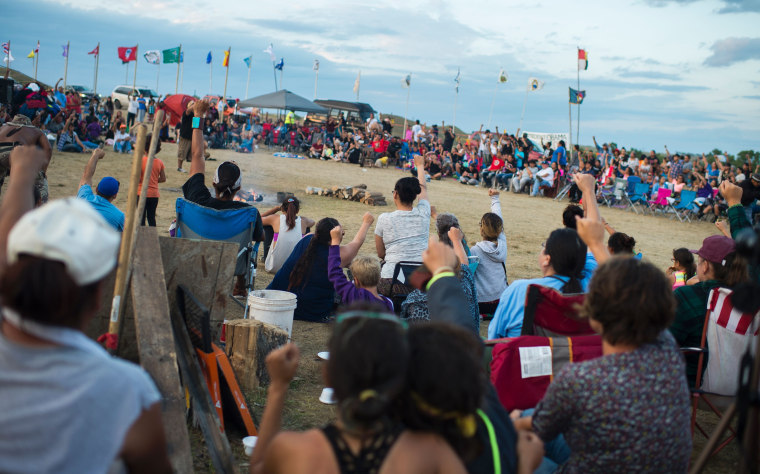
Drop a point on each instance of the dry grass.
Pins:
(528, 221)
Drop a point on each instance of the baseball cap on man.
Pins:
(69, 231)
(756, 177)
(715, 248)
(108, 186)
(228, 175)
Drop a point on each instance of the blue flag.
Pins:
(247, 61)
(182, 56)
(280, 64)
(576, 97)
(208, 58)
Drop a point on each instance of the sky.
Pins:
(681, 73)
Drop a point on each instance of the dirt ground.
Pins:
(528, 222)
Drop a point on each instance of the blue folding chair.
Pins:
(683, 208)
(638, 197)
(228, 225)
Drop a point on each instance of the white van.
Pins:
(120, 94)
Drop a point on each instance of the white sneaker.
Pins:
(181, 170)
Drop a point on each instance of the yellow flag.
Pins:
(31, 54)
(226, 61)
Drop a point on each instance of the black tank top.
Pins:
(372, 454)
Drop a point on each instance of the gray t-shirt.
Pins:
(405, 235)
(66, 410)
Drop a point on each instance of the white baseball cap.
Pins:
(69, 231)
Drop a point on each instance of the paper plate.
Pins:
(327, 396)
(323, 355)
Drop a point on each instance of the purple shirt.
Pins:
(347, 291)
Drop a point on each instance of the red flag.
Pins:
(96, 51)
(127, 54)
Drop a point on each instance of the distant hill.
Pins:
(22, 78)
(398, 125)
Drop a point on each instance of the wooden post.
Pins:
(122, 271)
(248, 343)
(156, 344)
(157, 122)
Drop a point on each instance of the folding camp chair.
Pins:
(523, 367)
(550, 313)
(660, 202)
(638, 197)
(628, 191)
(726, 335)
(211, 358)
(229, 225)
(614, 194)
(401, 289)
(683, 207)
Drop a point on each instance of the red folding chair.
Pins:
(550, 313)
(523, 367)
(726, 335)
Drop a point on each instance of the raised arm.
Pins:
(592, 233)
(89, 168)
(26, 162)
(587, 184)
(495, 203)
(198, 163)
(456, 235)
(419, 162)
(349, 251)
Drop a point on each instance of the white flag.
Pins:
(316, 65)
(503, 77)
(407, 81)
(153, 56)
(357, 82)
(458, 81)
(270, 50)
(534, 84)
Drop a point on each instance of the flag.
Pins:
(182, 56)
(65, 50)
(153, 56)
(582, 59)
(357, 82)
(503, 77)
(95, 51)
(281, 64)
(170, 55)
(576, 97)
(316, 65)
(226, 60)
(128, 53)
(534, 84)
(37, 48)
(457, 81)
(270, 50)
(247, 61)
(209, 58)
(30, 55)
(407, 81)
(7, 53)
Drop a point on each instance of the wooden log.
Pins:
(156, 344)
(375, 194)
(248, 343)
(363, 186)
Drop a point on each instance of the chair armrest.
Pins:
(702, 350)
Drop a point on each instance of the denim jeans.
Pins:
(537, 184)
(123, 147)
(556, 451)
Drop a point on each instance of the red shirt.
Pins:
(380, 145)
(496, 164)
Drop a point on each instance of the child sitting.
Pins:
(683, 268)
(366, 272)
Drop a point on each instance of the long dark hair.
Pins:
(290, 208)
(686, 259)
(408, 189)
(298, 277)
(568, 257)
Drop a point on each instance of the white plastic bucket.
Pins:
(273, 307)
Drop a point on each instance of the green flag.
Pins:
(170, 55)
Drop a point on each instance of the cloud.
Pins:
(751, 97)
(733, 50)
(627, 72)
(729, 6)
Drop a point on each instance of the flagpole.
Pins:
(182, 74)
(316, 78)
(211, 77)
(570, 137)
(493, 101)
(176, 80)
(456, 99)
(126, 73)
(8, 60)
(578, 120)
(525, 102)
(97, 61)
(36, 60)
(358, 84)
(248, 81)
(134, 78)
(274, 73)
(406, 111)
(226, 74)
(282, 85)
(66, 66)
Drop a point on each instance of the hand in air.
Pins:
(282, 363)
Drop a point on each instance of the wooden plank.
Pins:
(156, 344)
(216, 441)
(206, 268)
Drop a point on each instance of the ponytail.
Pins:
(290, 208)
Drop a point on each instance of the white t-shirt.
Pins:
(416, 131)
(119, 135)
(405, 235)
(547, 174)
(132, 107)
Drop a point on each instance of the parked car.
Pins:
(120, 94)
(85, 93)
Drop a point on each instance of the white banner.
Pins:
(540, 137)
